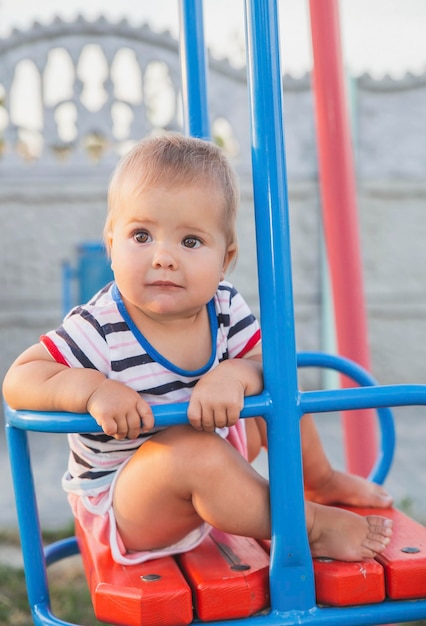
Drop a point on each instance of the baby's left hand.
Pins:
(216, 402)
(218, 397)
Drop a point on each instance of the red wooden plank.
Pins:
(404, 560)
(338, 583)
(229, 576)
(148, 594)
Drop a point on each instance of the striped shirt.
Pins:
(102, 336)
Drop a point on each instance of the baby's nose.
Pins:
(163, 257)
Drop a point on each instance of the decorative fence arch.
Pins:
(79, 92)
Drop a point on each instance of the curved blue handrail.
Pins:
(313, 402)
(385, 416)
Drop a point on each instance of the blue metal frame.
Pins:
(282, 404)
(36, 559)
(364, 379)
(91, 272)
(194, 69)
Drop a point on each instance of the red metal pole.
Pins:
(338, 197)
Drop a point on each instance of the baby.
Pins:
(171, 329)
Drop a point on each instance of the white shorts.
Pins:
(96, 517)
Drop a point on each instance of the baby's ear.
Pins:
(108, 244)
(230, 257)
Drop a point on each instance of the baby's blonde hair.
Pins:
(170, 161)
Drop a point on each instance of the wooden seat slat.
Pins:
(339, 583)
(404, 560)
(147, 594)
(229, 576)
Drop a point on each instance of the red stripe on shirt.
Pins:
(53, 350)
(250, 344)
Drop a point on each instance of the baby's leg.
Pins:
(346, 536)
(180, 478)
(325, 485)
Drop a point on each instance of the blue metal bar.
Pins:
(26, 506)
(29, 527)
(194, 69)
(385, 416)
(61, 549)
(68, 274)
(368, 614)
(165, 415)
(35, 557)
(43, 616)
(383, 613)
(256, 405)
(291, 580)
(361, 398)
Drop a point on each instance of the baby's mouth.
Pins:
(164, 283)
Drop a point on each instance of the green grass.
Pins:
(13, 598)
(69, 594)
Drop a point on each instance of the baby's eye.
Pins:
(192, 242)
(142, 236)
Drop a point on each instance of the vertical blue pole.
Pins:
(194, 69)
(292, 584)
(29, 524)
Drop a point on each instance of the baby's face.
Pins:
(169, 250)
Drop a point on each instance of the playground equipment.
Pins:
(92, 270)
(340, 218)
(227, 577)
(291, 598)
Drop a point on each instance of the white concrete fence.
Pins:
(74, 97)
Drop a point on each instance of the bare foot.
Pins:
(345, 536)
(341, 488)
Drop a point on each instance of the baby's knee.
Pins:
(184, 440)
(184, 452)
(199, 442)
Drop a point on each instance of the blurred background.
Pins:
(378, 36)
(80, 82)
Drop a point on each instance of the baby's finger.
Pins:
(108, 425)
(146, 416)
(134, 424)
(233, 415)
(122, 427)
(221, 417)
(208, 422)
(195, 414)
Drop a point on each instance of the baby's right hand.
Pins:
(119, 410)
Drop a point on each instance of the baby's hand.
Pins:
(119, 410)
(217, 400)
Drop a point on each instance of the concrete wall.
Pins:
(48, 206)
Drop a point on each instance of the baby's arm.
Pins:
(36, 382)
(218, 397)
